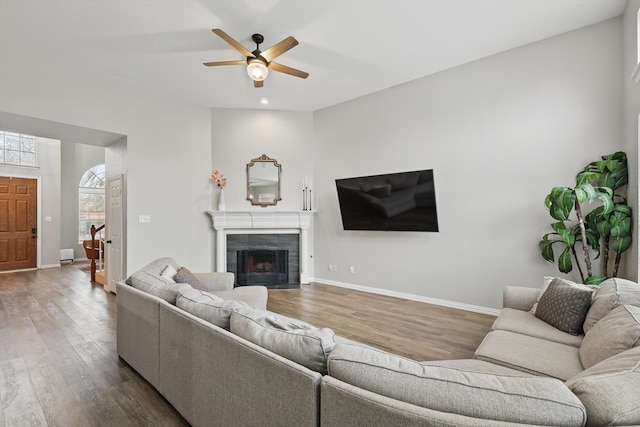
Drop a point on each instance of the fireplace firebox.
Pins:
(262, 267)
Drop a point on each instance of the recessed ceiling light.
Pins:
(264, 101)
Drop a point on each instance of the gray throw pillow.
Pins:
(614, 333)
(184, 275)
(564, 306)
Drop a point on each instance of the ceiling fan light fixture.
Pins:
(257, 70)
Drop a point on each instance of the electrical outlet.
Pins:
(330, 267)
(352, 270)
(335, 267)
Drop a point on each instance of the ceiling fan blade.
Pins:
(226, 37)
(279, 48)
(257, 83)
(287, 70)
(213, 64)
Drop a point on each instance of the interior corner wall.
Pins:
(631, 127)
(499, 133)
(168, 150)
(49, 200)
(76, 160)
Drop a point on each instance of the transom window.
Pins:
(17, 149)
(91, 202)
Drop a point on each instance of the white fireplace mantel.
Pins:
(269, 222)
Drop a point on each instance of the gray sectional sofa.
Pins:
(245, 366)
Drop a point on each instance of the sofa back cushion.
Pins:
(207, 306)
(564, 306)
(610, 390)
(149, 279)
(511, 398)
(616, 332)
(291, 338)
(610, 294)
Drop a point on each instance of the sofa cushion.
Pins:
(526, 323)
(508, 397)
(472, 365)
(208, 307)
(614, 333)
(169, 273)
(291, 338)
(184, 275)
(148, 279)
(610, 390)
(529, 354)
(564, 306)
(610, 294)
(255, 296)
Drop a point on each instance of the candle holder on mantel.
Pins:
(306, 195)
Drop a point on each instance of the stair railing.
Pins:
(94, 231)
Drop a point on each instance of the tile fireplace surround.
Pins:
(254, 222)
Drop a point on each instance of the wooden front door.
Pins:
(18, 222)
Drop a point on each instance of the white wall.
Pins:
(499, 133)
(631, 123)
(168, 150)
(241, 135)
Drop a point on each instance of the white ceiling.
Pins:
(350, 47)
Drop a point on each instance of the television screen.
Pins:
(404, 201)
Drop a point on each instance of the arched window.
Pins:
(90, 201)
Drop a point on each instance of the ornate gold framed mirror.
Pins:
(263, 181)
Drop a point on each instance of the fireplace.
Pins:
(291, 228)
(263, 267)
(271, 260)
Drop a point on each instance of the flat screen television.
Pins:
(404, 201)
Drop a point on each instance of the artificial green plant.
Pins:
(604, 229)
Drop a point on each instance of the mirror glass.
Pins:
(263, 181)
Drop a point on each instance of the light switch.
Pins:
(144, 218)
(48, 219)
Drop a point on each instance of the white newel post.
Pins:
(254, 222)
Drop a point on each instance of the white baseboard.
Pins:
(411, 297)
(50, 265)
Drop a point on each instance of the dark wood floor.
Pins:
(58, 361)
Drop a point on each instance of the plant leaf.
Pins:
(561, 202)
(594, 280)
(620, 227)
(568, 237)
(564, 261)
(546, 249)
(621, 244)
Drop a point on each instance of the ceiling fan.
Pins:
(259, 63)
